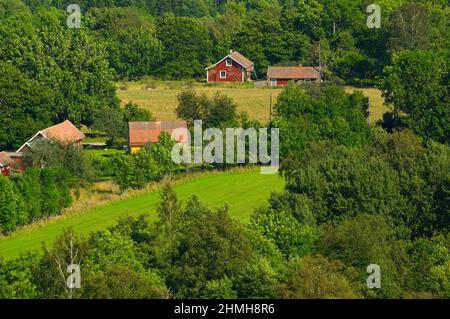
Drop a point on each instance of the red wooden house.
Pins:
(233, 68)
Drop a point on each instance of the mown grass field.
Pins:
(243, 191)
(160, 97)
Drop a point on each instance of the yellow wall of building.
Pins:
(135, 150)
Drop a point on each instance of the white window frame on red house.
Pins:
(229, 62)
(224, 74)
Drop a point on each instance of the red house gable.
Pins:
(233, 68)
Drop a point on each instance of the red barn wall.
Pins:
(281, 82)
(234, 72)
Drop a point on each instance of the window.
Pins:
(229, 62)
(223, 74)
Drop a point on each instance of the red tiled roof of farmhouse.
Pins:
(141, 133)
(242, 60)
(293, 72)
(64, 132)
(5, 159)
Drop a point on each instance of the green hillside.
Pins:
(242, 191)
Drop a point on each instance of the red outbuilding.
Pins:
(234, 68)
(282, 75)
(143, 133)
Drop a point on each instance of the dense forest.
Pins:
(356, 193)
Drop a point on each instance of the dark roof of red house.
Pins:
(141, 133)
(293, 72)
(5, 159)
(239, 58)
(242, 60)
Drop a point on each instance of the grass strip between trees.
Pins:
(242, 190)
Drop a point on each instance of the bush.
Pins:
(218, 111)
(311, 114)
(12, 213)
(151, 163)
(219, 289)
(291, 237)
(55, 191)
(71, 158)
(29, 185)
(365, 240)
(316, 277)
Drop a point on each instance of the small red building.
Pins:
(282, 75)
(233, 68)
(143, 133)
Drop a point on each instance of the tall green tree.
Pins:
(317, 277)
(134, 53)
(417, 85)
(12, 213)
(68, 61)
(16, 277)
(408, 27)
(29, 185)
(25, 107)
(313, 113)
(218, 111)
(8, 7)
(187, 47)
(209, 246)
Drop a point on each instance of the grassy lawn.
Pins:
(160, 97)
(241, 190)
(104, 151)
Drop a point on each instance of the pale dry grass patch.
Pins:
(161, 98)
(376, 102)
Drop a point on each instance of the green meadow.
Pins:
(242, 191)
(160, 97)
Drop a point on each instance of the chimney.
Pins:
(231, 51)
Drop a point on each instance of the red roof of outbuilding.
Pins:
(141, 133)
(64, 132)
(293, 72)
